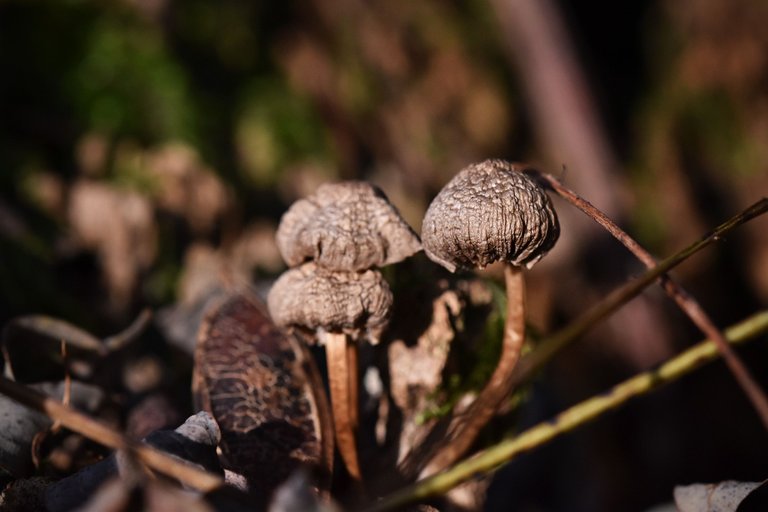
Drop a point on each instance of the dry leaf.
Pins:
(416, 372)
(264, 391)
(720, 497)
(32, 347)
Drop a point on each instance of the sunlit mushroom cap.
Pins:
(345, 226)
(488, 212)
(354, 303)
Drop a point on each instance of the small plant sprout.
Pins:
(489, 212)
(343, 230)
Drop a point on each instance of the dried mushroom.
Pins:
(335, 305)
(345, 226)
(490, 211)
(264, 391)
(353, 303)
(344, 230)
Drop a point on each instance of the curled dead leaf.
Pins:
(263, 389)
(31, 345)
(720, 497)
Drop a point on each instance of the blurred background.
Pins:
(147, 144)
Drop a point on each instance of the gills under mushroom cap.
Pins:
(354, 303)
(488, 212)
(345, 226)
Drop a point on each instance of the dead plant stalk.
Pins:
(643, 383)
(82, 424)
(687, 303)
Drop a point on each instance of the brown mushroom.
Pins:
(341, 307)
(345, 226)
(490, 211)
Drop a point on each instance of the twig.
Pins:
(130, 333)
(82, 424)
(580, 414)
(613, 301)
(682, 298)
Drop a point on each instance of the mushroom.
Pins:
(341, 307)
(491, 211)
(343, 227)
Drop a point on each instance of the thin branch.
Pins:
(130, 333)
(552, 345)
(682, 298)
(580, 414)
(82, 424)
(613, 301)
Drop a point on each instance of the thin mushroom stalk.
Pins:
(342, 308)
(489, 212)
(353, 382)
(337, 350)
(463, 433)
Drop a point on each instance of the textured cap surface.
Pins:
(345, 226)
(488, 212)
(353, 303)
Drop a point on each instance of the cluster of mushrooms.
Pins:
(334, 240)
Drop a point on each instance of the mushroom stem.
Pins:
(339, 378)
(463, 433)
(352, 371)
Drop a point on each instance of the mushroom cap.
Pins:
(354, 303)
(345, 226)
(488, 212)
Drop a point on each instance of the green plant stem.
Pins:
(580, 414)
(613, 301)
(677, 293)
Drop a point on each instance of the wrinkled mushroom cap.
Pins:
(488, 212)
(345, 226)
(354, 303)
